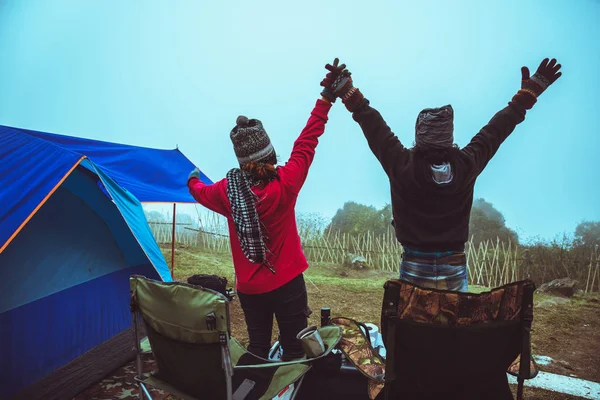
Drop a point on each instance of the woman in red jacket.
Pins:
(258, 200)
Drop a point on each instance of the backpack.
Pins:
(213, 282)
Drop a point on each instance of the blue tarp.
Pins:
(66, 274)
(64, 285)
(33, 163)
(152, 175)
(30, 169)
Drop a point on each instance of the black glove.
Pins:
(334, 72)
(344, 89)
(546, 74)
(532, 87)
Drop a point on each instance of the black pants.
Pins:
(289, 304)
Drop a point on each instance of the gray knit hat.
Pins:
(435, 127)
(251, 142)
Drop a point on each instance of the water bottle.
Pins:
(325, 316)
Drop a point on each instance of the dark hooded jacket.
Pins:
(429, 216)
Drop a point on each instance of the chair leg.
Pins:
(520, 388)
(298, 386)
(525, 360)
(390, 301)
(227, 367)
(138, 355)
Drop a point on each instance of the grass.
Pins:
(348, 292)
(566, 332)
(190, 261)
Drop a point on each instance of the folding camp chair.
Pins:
(188, 331)
(445, 344)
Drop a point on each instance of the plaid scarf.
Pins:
(245, 217)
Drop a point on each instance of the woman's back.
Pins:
(275, 203)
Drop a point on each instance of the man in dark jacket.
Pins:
(432, 183)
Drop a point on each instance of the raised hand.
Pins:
(546, 74)
(194, 174)
(332, 75)
(343, 86)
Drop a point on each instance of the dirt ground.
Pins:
(569, 333)
(577, 350)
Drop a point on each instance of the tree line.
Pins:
(541, 260)
(486, 223)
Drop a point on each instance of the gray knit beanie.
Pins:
(435, 127)
(251, 142)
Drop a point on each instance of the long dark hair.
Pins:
(261, 171)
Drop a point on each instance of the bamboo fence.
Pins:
(381, 252)
(593, 276)
(490, 263)
(210, 234)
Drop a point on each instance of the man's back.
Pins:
(432, 183)
(432, 216)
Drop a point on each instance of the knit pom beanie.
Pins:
(251, 142)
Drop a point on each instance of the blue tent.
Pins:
(72, 231)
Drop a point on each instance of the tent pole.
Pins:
(173, 243)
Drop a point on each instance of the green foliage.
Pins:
(155, 216)
(183, 218)
(545, 260)
(487, 223)
(310, 225)
(587, 234)
(489, 210)
(354, 219)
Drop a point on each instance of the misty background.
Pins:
(162, 75)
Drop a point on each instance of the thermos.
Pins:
(325, 316)
(311, 341)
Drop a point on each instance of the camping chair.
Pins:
(188, 332)
(445, 344)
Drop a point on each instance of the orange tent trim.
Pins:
(16, 232)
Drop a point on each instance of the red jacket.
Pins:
(275, 210)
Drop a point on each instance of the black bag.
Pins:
(213, 282)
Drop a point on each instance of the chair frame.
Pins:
(225, 343)
(389, 312)
(223, 339)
